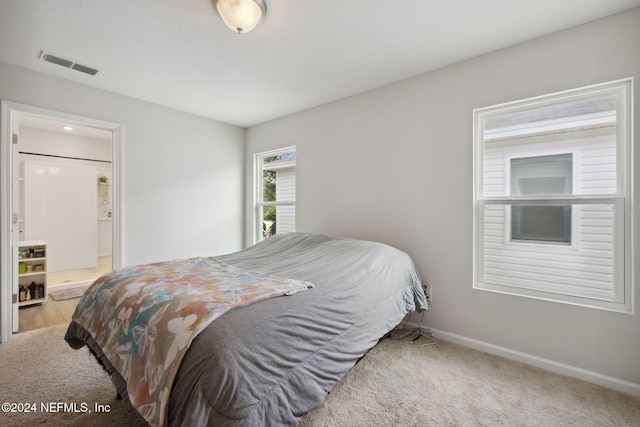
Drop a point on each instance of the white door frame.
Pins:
(8, 112)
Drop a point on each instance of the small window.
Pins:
(552, 191)
(275, 192)
(537, 176)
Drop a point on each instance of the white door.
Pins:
(16, 224)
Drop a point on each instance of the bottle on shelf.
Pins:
(32, 266)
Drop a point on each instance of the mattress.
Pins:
(271, 362)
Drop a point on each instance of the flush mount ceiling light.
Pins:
(241, 16)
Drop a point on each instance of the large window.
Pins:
(275, 192)
(552, 194)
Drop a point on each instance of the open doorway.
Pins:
(71, 177)
(64, 210)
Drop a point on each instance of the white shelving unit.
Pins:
(32, 272)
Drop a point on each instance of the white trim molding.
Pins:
(6, 286)
(539, 362)
(8, 111)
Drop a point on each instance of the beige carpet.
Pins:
(396, 384)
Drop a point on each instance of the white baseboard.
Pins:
(547, 364)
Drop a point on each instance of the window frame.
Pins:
(621, 200)
(258, 194)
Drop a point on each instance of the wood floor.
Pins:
(50, 313)
(64, 277)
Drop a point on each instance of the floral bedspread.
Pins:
(144, 318)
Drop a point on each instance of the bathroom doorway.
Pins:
(49, 151)
(65, 198)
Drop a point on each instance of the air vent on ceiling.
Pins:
(68, 64)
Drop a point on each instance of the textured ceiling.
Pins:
(178, 53)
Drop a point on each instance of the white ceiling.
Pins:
(305, 53)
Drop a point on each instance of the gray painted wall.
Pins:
(395, 165)
(183, 175)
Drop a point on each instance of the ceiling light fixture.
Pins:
(241, 16)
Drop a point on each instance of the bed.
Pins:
(266, 362)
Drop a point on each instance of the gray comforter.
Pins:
(269, 363)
